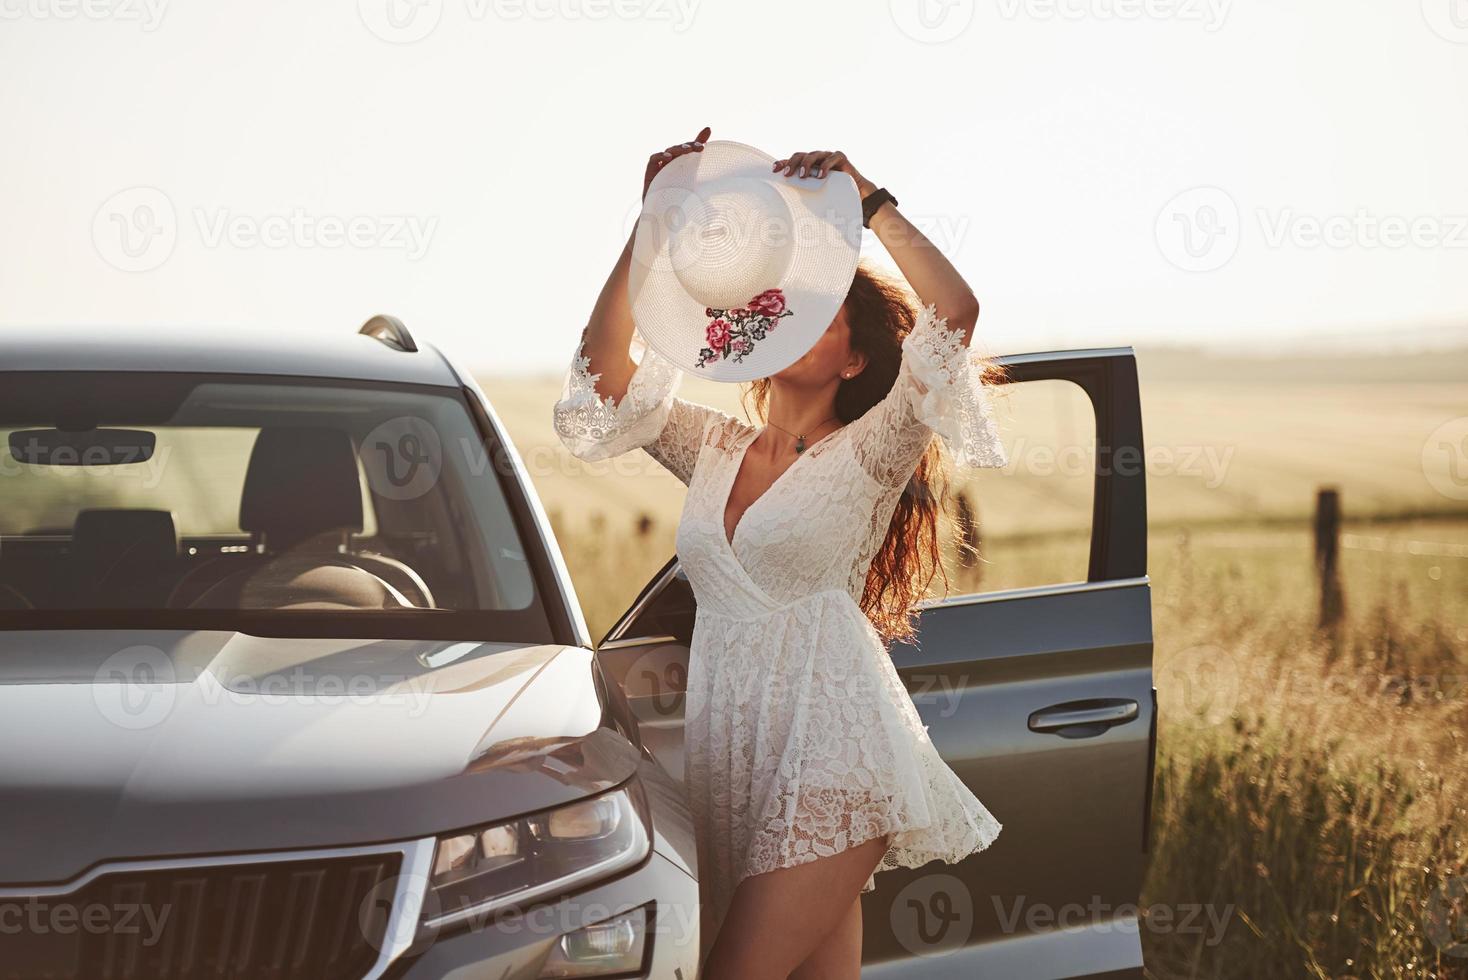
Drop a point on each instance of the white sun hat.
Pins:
(737, 269)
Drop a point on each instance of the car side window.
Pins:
(1028, 524)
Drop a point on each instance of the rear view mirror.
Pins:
(89, 447)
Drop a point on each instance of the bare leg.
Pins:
(778, 919)
(838, 957)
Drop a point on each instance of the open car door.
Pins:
(1040, 698)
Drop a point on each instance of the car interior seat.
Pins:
(301, 503)
(122, 559)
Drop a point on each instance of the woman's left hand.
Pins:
(926, 269)
(819, 163)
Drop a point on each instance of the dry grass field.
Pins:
(1311, 782)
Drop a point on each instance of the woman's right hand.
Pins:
(607, 337)
(658, 161)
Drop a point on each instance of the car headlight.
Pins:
(477, 873)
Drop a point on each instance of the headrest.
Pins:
(11, 599)
(133, 536)
(301, 482)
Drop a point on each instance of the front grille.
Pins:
(319, 919)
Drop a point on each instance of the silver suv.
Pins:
(294, 684)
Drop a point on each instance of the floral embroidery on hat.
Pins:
(731, 333)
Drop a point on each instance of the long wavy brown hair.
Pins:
(881, 313)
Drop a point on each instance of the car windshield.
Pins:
(272, 505)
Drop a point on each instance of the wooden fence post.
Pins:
(1327, 553)
(968, 531)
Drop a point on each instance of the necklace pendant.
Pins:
(799, 445)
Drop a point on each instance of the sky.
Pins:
(1242, 174)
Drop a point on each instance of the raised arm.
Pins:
(924, 266)
(607, 339)
(941, 384)
(611, 403)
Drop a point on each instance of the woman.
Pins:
(806, 540)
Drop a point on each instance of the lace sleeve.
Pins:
(939, 388)
(648, 416)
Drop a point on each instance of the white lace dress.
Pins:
(801, 740)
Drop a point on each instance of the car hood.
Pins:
(153, 744)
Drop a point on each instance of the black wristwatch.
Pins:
(872, 201)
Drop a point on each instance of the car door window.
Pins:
(1029, 522)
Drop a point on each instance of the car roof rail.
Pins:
(391, 331)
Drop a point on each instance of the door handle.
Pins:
(1083, 719)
